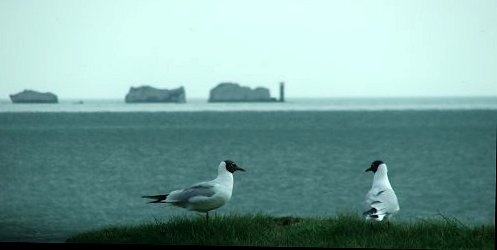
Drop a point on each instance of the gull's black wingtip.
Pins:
(158, 198)
(370, 212)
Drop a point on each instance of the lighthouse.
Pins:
(282, 91)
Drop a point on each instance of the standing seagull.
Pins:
(203, 196)
(381, 200)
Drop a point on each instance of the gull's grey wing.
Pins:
(382, 201)
(183, 195)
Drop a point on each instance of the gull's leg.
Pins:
(387, 218)
(207, 216)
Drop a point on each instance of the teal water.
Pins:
(64, 173)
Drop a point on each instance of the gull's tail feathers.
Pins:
(374, 214)
(157, 198)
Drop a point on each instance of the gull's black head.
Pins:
(374, 166)
(232, 167)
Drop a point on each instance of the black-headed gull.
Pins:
(381, 200)
(203, 196)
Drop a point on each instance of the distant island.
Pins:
(233, 92)
(145, 94)
(223, 92)
(31, 96)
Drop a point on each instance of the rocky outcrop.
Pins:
(232, 92)
(31, 96)
(151, 94)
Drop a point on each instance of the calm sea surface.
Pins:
(67, 168)
(293, 104)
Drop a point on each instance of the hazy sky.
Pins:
(100, 48)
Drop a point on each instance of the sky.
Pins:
(319, 48)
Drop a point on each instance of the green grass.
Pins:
(344, 230)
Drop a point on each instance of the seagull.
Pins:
(381, 200)
(204, 196)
